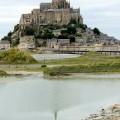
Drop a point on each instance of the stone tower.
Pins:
(57, 1)
(60, 4)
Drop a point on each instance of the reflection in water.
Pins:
(36, 95)
(55, 114)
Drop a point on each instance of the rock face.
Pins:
(111, 113)
(27, 43)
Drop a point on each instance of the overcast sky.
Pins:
(104, 14)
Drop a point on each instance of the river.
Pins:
(36, 98)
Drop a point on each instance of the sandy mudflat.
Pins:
(97, 75)
(25, 73)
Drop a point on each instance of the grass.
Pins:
(89, 63)
(90, 58)
(28, 69)
(3, 73)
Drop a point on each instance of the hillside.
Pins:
(79, 34)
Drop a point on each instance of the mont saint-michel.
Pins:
(57, 26)
(54, 66)
(57, 12)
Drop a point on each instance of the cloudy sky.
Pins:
(104, 14)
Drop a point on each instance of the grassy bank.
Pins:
(90, 58)
(91, 68)
(3, 73)
(89, 63)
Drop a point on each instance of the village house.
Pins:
(4, 45)
(63, 42)
(56, 43)
(52, 43)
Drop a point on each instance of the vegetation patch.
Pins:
(3, 73)
(92, 68)
(16, 56)
(43, 66)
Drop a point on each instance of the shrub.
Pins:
(96, 31)
(3, 73)
(43, 66)
(16, 56)
(16, 28)
(29, 31)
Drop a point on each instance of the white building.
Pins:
(4, 45)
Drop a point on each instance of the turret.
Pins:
(58, 1)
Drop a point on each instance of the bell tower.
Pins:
(58, 1)
(60, 4)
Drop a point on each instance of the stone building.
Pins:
(59, 11)
(4, 45)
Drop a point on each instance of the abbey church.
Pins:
(57, 12)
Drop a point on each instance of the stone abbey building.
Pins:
(57, 12)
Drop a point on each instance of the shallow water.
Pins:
(36, 98)
(53, 56)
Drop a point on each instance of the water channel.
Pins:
(37, 98)
(33, 97)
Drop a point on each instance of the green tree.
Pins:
(71, 30)
(73, 21)
(83, 26)
(96, 31)
(10, 34)
(63, 31)
(29, 31)
(15, 42)
(62, 37)
(6, 38)
(72, 38)
(16, 28)
(48, 36)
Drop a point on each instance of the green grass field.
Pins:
(89, 63)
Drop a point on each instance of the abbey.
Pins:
(57, 12)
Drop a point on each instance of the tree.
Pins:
(29, 31)
(16, 42)
(63, 31)
(48, 36)
(16, 28)
(83, 26)
(96, 31)
(71, 30)
(62, 37)
(10, 34)
(6, 38)
(72, 38)
(73, 21)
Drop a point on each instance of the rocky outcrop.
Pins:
(111, 113)
(27, 42)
